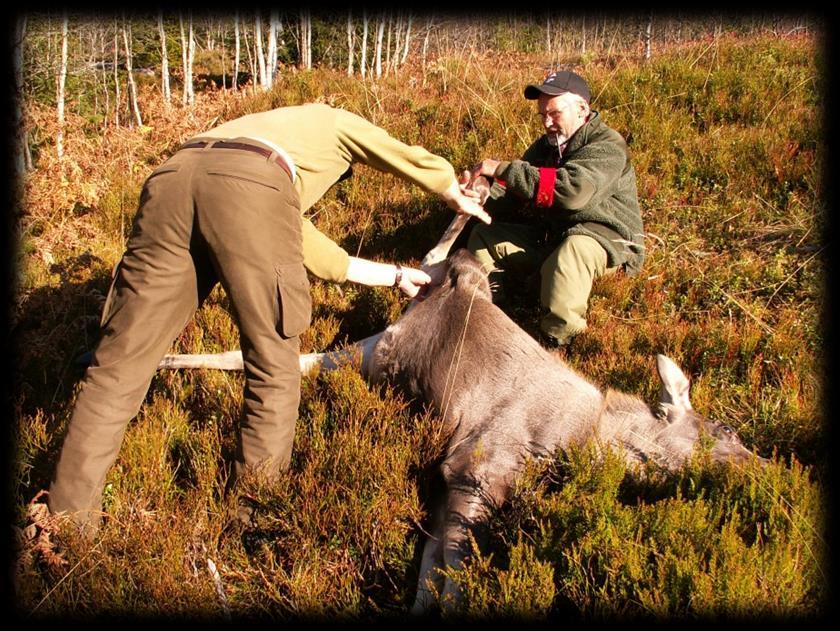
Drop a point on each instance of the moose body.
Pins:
(503, 398)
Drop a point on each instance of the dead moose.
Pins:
(502, 399)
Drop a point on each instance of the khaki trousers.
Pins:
(567, 271)
(205, 216)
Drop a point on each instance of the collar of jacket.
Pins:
(582, 135)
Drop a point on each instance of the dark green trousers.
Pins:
(205, 216)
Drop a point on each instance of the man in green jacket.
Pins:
(576, 189)
(227, 207)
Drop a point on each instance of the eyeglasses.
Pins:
(554, 115)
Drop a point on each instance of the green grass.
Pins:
(727, 142)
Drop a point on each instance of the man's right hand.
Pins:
(462, 204)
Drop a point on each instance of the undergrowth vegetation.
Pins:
(726, 136)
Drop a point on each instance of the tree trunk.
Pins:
(236, 55)
(222, 36)
(648, 31)
(271, 58)
(22, 164)
(252, 62)
(258, 49)
(425, 48)
(183, 60)
(132, 87)
(583, 37)
(116, 75)
(187, 55)
(164, 62)
(380, 30)
(388, 44)
(190, 58)
(62, 79)
(351, 37)
(305, 34)
(407, 41)
(398, 35)
(308, 40)
(548, 36)
(364, 44)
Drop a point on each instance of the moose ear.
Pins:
(675, 384)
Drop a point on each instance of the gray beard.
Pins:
(556, 140)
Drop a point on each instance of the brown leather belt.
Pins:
(222, 144)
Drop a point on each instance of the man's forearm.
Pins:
(371, 273)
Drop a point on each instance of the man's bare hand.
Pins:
(462, 204)
(486, 167)
(412, 281)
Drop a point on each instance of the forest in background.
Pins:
(92, 65)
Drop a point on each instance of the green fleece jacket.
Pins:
(590, 190)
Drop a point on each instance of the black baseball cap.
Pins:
(558, 83)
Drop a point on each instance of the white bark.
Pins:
(164, 62)
(252, 62)
(258, 50)
(183, 59)
(236, 56)
(364, 44)
(407, 41)
(271, 57)
(132, 86)
(116, 76)
(388, 44)
(351, 38)
(425, 48)
(190, 58)
(22, 164)
(305, 38)
(187, 55)
(379, 32)
(548, 35)
(62, 79)
(583, 36)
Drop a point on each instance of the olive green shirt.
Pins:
(324, 142)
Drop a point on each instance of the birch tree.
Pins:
(305, 61)
(425, 48)
(258, 49)
(388, 44)
(252, 61)
(398, 33)
(164, 62)
(236, 54)
(351, 37)
(407, 41)
(23, 159)
(132, 86)
(187, 55)
(62, 79)
(380, 30)
(271, 57)
(364, 43)
(116, 75)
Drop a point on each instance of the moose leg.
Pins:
(467, 517)
(430, 581)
